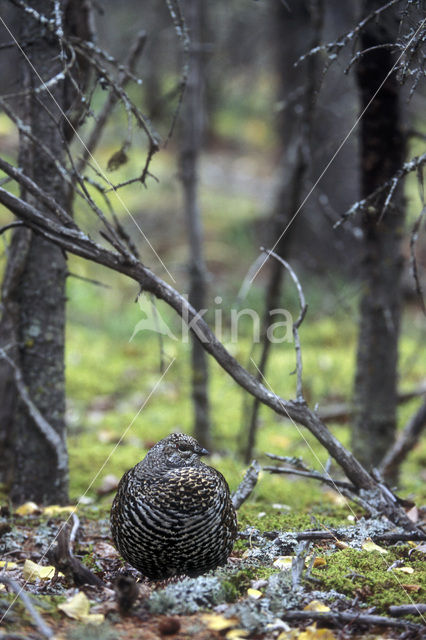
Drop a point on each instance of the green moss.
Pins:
(353, 572)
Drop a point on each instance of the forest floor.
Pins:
(271, 575)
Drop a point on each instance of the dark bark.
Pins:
(191, 144)
(382, 154)
(32, 324)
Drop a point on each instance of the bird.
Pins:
(173, 514)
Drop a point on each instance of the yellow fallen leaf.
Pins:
(33, 570)
(254, 593)
(78, 608)
(7, 564)
(312, 633)
(316, 605)
(216, 622)
(369, 545)
(318, 562)
(27, 509)
(404, 569)
(236, 634)
(2, 587)
(57, 510)
(283, 562)
(341, 545)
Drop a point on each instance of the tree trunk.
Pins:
(191, 142)
(382, 154)
(33, 292)
(294, 162)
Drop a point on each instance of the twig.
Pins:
(355, 618)
(316, 475)
(407, 609)
(43, 628)
(335, 535)
(62, 557)
(134, 52)
(297, 323)
(43, 426)
(246, 486)
(91, 280)
(11, 225)
(362, 205)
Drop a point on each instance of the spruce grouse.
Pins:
(173, 514)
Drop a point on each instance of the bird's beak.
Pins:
(203, 452)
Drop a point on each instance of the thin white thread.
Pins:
(99, 168)
(339, 148)
(299, 431)
(143, 405)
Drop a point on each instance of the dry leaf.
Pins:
(413, 514)
(318, 562)
(254, 593)
(411, 587)
(312, 633)
(56, 510)
(27, 509)
(216, 622)
(283, 563)
(369, 545)
(341, 545)
(32, 570)
(316, 605)
(7, 564)
(236, 634)
(404, 569)
(78, 608)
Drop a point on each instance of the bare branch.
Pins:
(42, 627)
(297, 323)
(355, 618)
(246, 486)
(362, 205)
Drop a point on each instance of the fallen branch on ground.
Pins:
(346, 618)
(39, 623)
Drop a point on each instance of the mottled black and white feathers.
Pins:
(173, 514)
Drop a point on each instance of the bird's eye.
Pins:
(184, 447)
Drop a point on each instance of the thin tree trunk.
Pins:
(191, 142)
(382, 154)
(293, 168)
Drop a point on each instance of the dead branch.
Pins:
(405, 443)
(124, 76)
(62, 557)
(246, 486)
(41, 423)
(337, 536)
(407, 609)
(40, 624)
(77, 242)
(316, 475)
(297, 323)
(413, 241)
(363, 205)
(355, 618)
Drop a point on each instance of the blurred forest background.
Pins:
(267, 129)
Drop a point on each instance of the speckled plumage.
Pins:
(173, 514)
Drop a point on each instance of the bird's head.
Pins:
(173, 452)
